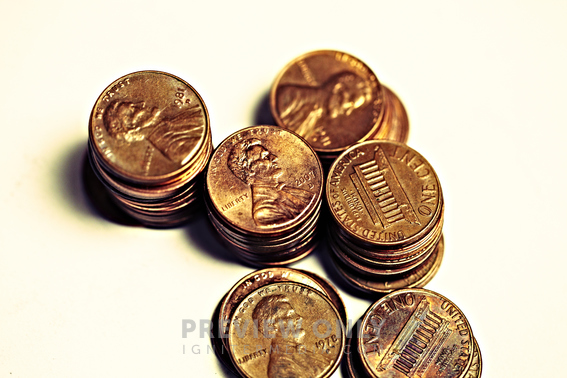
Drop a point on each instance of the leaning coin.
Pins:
(330, 98)
(407, 333)
(147, 125)
(384, 193)
(475, 370)
(286, 330)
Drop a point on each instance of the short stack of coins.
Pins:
(149, 142)
(334, 100)
(264, 189)
(413, 333)
(280, 322)
(386, 208)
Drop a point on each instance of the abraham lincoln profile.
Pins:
(174, 136)
(310, 110)
(272, 202)
(289, 357)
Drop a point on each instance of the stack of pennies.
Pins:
(386, 207)
(334, 100)
(149, 142)
(264, 188)
(280, 322)
(413, 333)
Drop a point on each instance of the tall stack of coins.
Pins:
(414, 333)
(264, 186)
(149, 141)
(334, 100)
(280, 322)
(386, 206)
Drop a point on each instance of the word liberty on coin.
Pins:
(264, 188)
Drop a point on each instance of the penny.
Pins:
(149, 142)
(263, 277)
(415, 333)
(147, 125)
(331, 98)
(264, 188)
(286, 329)
(384, 193)
(264, 179)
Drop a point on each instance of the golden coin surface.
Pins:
(415, 333)
(475, 370)
(146, 126)
(264, 180)
(384, 193)
(286, 330)
(330, 98)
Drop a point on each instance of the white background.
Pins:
(484, 86)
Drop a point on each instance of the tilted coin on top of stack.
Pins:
(334, 100)
(149, 141)
(414, 333)
(386, 208)
(280, 322)
(264, 188)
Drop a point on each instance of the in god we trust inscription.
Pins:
(384, 193)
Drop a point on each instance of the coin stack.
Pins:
(386, 208)
(413, 333)
(264, 188)
(334, 100)
(280, 322)
(149, 142)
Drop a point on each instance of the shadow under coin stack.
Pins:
(149, 142)
(386, 206)
(280, 322)
(413, 333)
(334, 100)
(264, 188)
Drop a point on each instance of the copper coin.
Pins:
(286, 329)
(267, 276)
(384, 193)
(331, 98)
(146, 126)
(415, 333)
(264, 180)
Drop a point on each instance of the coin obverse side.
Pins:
(147, 125)
(383, 193)
(288, 330)
(264, 179)
(415, 333)
(330, 98)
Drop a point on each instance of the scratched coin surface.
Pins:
(384, 193)
(286, 330)
(330, 98)
(147, 126)
(264, 180)
(415, 333)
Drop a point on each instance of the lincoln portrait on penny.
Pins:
(309, 110)
(273, 202)
(289, 357)
(174, 136)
